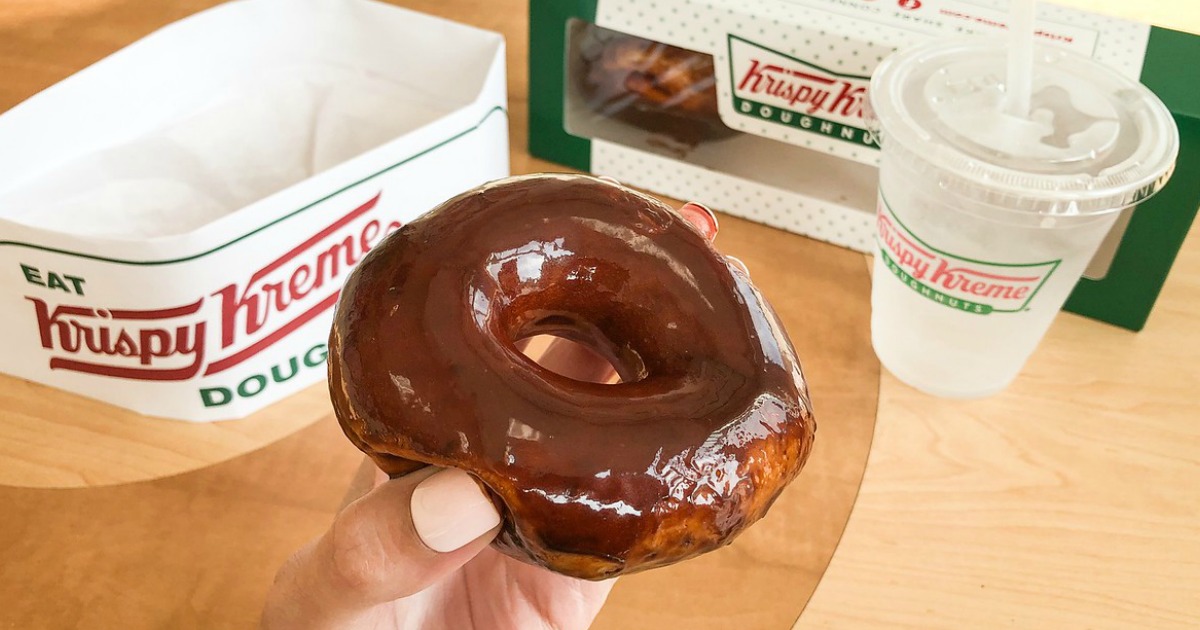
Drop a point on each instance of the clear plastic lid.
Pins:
(1094, 142)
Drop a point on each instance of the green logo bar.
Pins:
(804, 122)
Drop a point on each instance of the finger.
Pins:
(397, 540)
(380, 477)
(367, 477)
(701, 217)
(698, 214)
(737, 262)
(571, 602)
(577, 361)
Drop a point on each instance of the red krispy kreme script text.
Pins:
(273, 293)
(104, 342)
(170, 343)
(804, 89)
(958, 277)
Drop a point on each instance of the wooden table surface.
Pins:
(1072, 500)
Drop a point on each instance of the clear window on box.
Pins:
(662, 99)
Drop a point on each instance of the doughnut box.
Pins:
(176, 221)
(756, 109)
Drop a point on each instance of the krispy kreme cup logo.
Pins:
(169, 344)
(769, 85)
(968, 285)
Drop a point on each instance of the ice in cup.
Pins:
(986, 220)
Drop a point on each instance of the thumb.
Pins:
(397, 540)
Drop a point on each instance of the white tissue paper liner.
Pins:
(176, 220)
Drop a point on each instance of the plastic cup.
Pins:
(986, 221)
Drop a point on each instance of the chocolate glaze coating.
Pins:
(651, 85)
(712, 418)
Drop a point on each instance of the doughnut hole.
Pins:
(572, 359)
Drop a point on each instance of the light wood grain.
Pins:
(196, 550)
(54, 439)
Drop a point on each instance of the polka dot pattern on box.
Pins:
(853, 228)
(809, 27)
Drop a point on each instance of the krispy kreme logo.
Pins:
(173, 344)
(769, 85)
(956, 282)
(153, 345)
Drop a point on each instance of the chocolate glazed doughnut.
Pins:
(710, 422)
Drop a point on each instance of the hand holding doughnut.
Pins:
(711, 418)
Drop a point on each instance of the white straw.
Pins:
(1020, 57)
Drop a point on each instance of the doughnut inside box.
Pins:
(177, 220)
(757, 109)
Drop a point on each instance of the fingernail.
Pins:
(611, 180)
(702, 217)
(449, 510)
